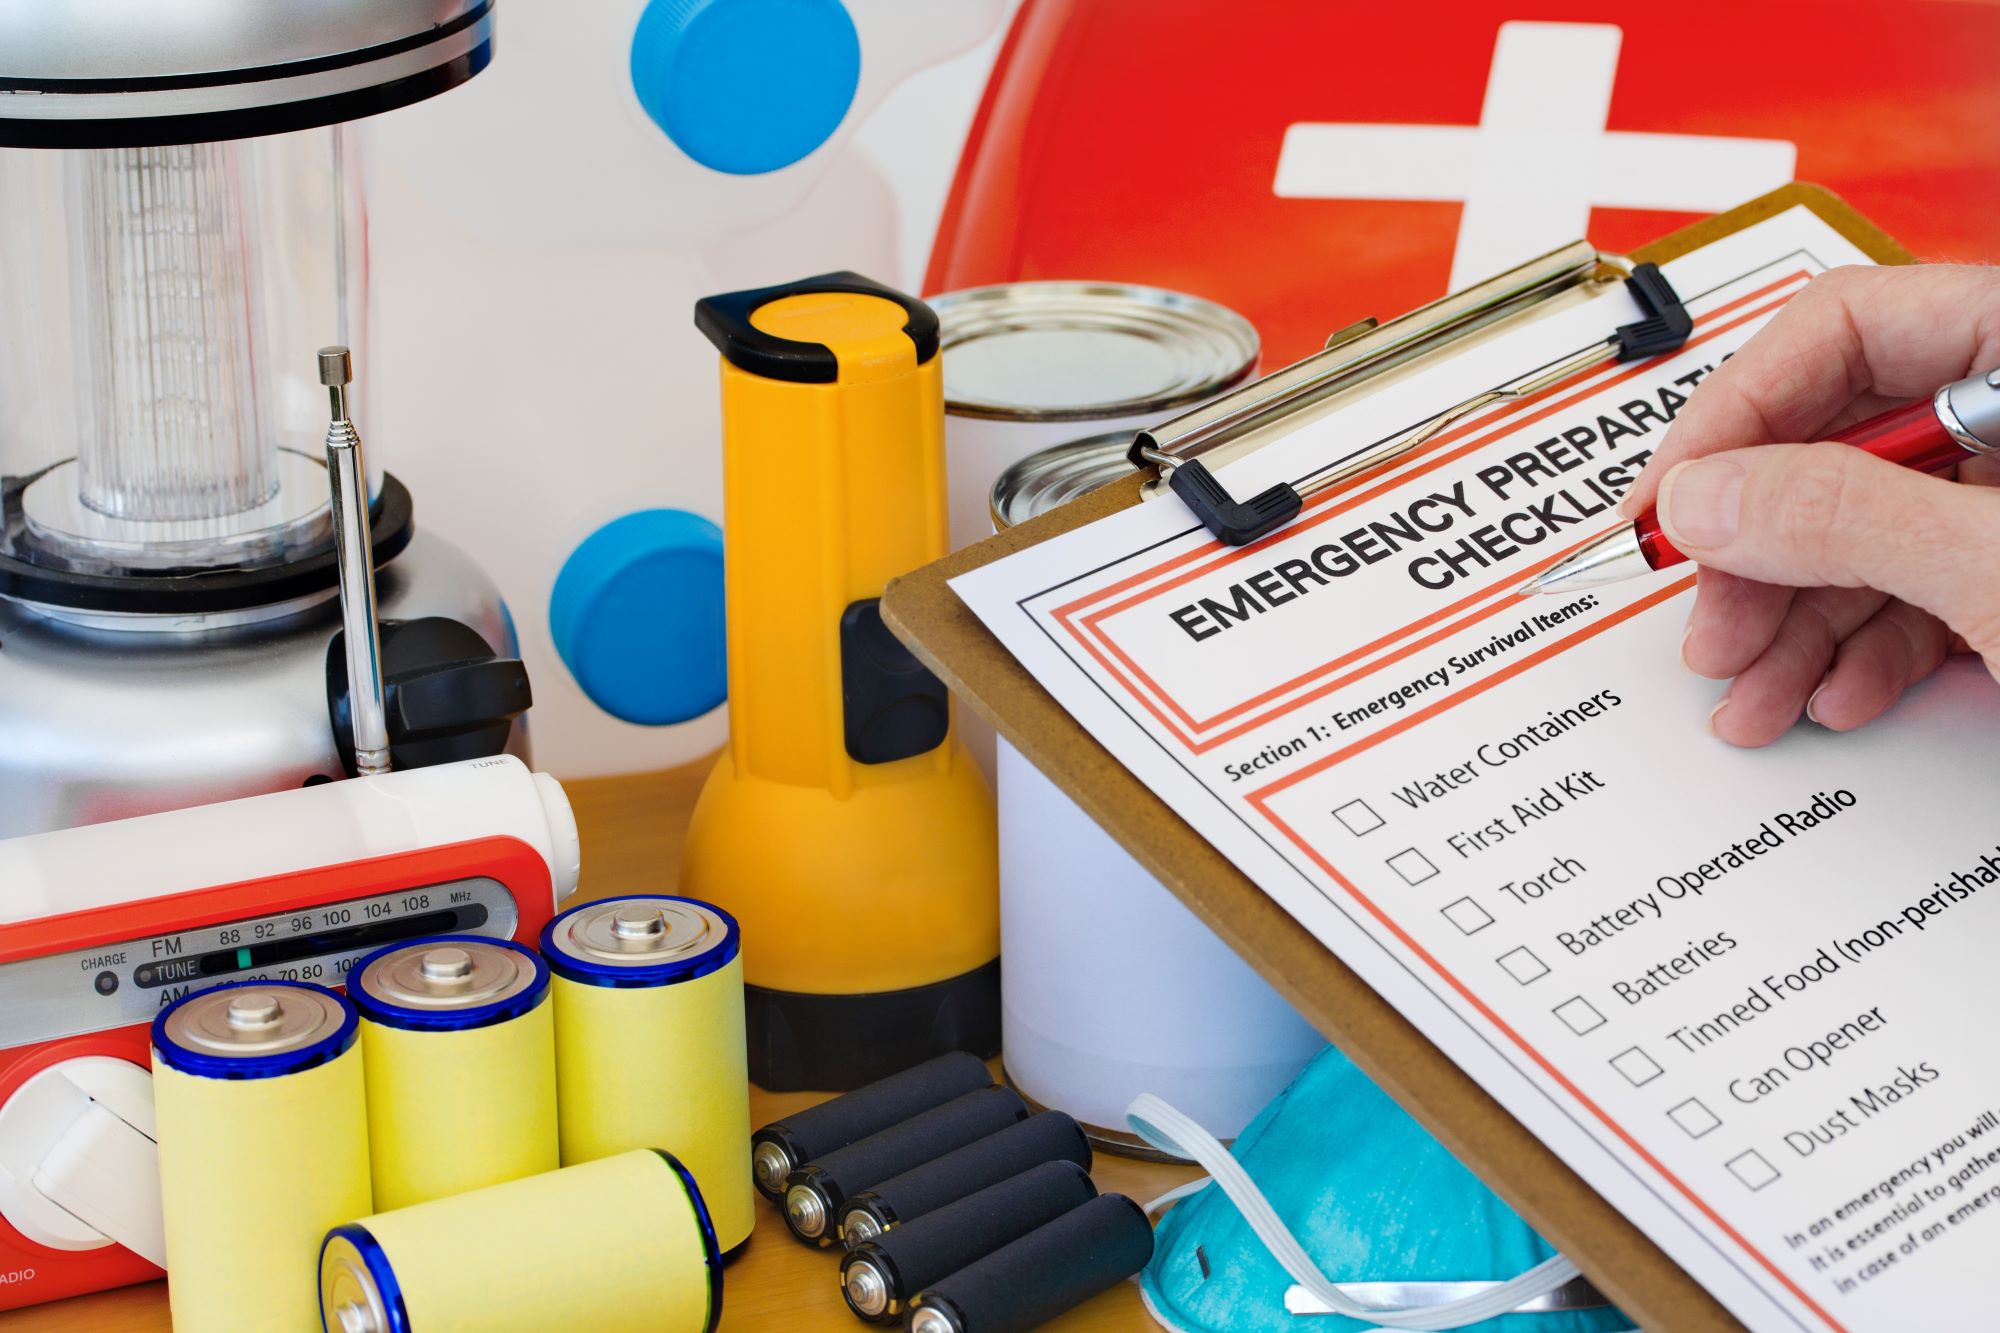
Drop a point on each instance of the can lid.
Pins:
(1058, 474)
(254, 1029)
(641, 939)
(448, 983)
(1086, 351)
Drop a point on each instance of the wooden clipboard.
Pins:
(925, 613)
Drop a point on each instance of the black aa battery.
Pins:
(1030, 1281)
(879, 1276)
(779, 1147)
(1048, 1137)
(814, 1192)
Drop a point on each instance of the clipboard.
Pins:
(944, 634)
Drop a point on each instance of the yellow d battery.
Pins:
(648, 997)
(619, 1245)
(459, 1039)
(263, 1139)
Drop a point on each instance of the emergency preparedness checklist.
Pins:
(1740, 992)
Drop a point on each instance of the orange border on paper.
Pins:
(1260, 801)
(1096, 641)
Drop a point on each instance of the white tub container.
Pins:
(1109, 987)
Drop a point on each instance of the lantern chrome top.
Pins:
(135, 73)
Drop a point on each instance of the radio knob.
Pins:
(78, 1166)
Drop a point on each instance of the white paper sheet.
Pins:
(1744, 994)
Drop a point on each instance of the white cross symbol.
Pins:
(1539, 158)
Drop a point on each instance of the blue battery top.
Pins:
(640, 939)
(254, 1029)
(381, 1274)
(487, 981)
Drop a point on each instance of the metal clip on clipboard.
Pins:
(1367, 349)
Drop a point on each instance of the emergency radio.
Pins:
(101, 927)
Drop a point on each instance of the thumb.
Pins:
(1819, 515)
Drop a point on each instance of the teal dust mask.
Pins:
(1337, 1212)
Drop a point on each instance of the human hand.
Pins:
(1830, 580)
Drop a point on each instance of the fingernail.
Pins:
(1686, 634)
(1810, 703)
(1700, 502)
(1714, 713)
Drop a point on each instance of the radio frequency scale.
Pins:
(103, 926)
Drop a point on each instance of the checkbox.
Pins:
(1578, 1015)
(1359, 817)
(1697, 1120)
(1522, 965)
(1638, 1067)
(1468, 916)
(1751, 1168)
(1413, 866)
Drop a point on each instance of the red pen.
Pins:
(1930, 435)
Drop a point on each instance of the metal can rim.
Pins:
(1089, 453)
(276, 1064)
(590, 973)
(981, 311)
(411, 1019)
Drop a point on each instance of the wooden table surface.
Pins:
(633, 828)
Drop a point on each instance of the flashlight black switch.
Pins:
(893, 707)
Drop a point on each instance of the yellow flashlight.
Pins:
(844, 827)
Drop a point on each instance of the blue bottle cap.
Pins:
(637, 616)
(746, 86)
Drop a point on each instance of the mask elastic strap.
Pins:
(1167, 1129)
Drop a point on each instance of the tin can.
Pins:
(1111, 986)
(459, 1040)
(650, 1049)
(1050, 478)
(263, 1139)
(1032, 364)
(619, 1245)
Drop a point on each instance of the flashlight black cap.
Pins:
(725, 319)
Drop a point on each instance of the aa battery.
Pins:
(459, 1040)
(1048, 1137)
(263, 1144)
(879, 1276)
(1030, 1281)
(619, 1245)
(815, 1192)
(783, 1145)
(650, 1046)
